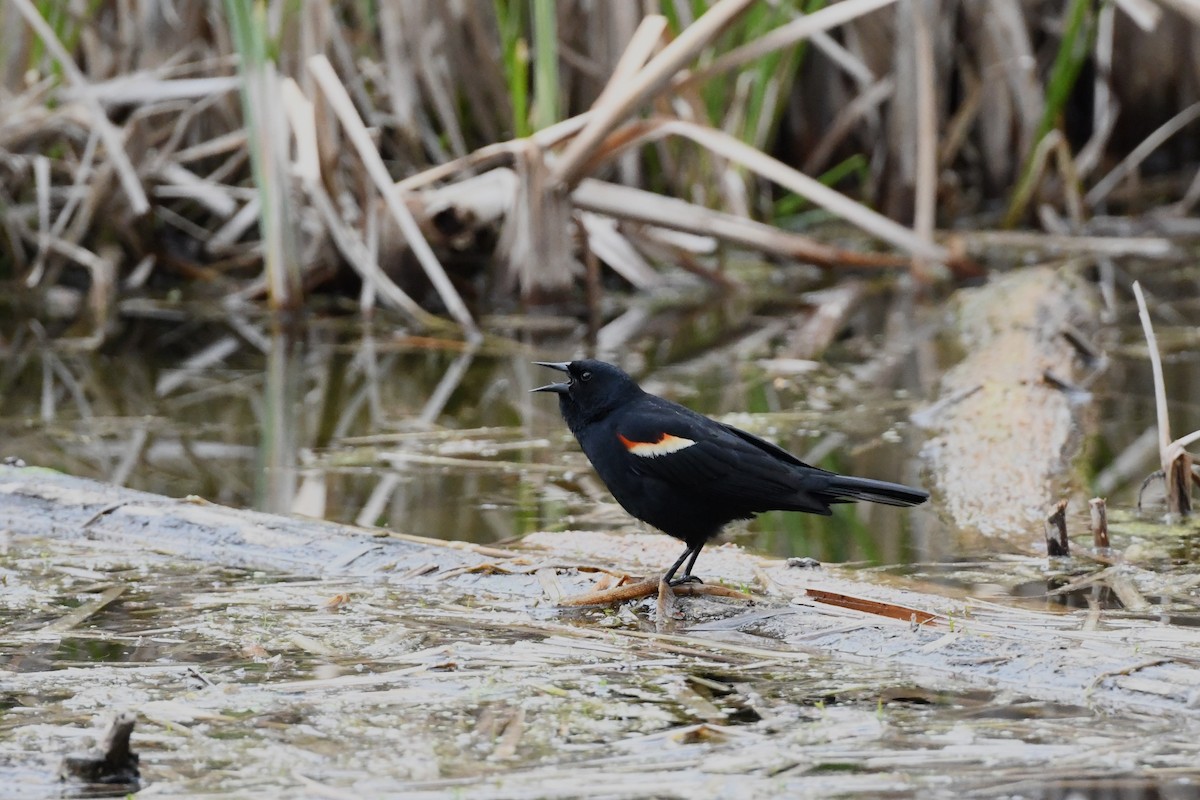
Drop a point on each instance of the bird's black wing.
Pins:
(831, 487)
(771, 448)
(688, 450)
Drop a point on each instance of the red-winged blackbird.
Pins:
(689, 475)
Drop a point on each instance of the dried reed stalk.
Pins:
(1176, 462)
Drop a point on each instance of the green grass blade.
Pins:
(545, 76)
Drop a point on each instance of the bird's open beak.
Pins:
(557, 388)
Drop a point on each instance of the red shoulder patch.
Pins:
(666, 443)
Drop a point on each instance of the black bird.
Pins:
(689, 475)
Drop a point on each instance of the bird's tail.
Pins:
(845, 489)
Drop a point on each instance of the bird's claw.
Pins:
(684, 580)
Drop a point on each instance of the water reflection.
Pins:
(427, 436)
(360, 423)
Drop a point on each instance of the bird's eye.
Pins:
(585, 376)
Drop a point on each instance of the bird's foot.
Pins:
(685, 579)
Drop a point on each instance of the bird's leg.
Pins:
(687, 576)
(669, 577)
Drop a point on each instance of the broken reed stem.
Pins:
(1072, 52)
(1179, 484)
(925, 194)
(1176, 466)
(111, 762)
(645, 84)
(1160, 387)
(1057, 543)
(1030, 179)
(1131, 162)
(1099, 510)
(787, 35)
(339, 99)
(113, 140)
(729, 147)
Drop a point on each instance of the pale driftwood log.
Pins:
(929, 640)
(39, 502)
(1011, 415)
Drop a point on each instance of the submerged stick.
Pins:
(83, 612)
(1057, 543)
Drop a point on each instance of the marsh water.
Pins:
(424, 436)
(366, 424)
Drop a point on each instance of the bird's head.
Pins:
(592, 389)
